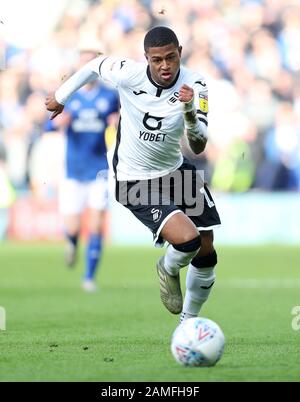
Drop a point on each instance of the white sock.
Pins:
(175, 260)
(196, 295)
(185, 316)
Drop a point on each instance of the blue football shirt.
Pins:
(85, 135)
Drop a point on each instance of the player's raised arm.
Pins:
(196, 129)
(55, 101)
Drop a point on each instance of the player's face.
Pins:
(164, 63)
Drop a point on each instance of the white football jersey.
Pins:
(151, 123)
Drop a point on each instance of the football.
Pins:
(198, 342)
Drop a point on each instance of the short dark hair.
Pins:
(160, 36)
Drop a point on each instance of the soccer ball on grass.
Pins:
(198, 342)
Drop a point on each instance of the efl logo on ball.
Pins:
(198, 342)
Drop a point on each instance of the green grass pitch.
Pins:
(56, 332)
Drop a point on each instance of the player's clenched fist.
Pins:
(186, 93)
(53, 106)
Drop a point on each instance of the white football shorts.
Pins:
(75, 196)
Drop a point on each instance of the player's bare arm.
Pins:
(197, 138)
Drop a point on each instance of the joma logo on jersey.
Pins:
(173, 99)
(140, 92)
(201, 83)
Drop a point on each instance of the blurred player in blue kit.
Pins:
(86, 116)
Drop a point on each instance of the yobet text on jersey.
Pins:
(146, 136)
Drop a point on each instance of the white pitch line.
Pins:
(254, 283)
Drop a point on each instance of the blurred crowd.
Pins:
(248, 50)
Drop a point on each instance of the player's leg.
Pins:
(97, 203)
(71, 203)
(184, 242)
(200, 277)
(72, 229)
(94, 248)
(169, 223)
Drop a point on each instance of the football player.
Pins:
(160, 101)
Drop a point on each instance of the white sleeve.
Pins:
(118, 71)
(87, 73)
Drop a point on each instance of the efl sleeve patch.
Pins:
(203, 103)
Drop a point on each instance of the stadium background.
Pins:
(249, 50)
